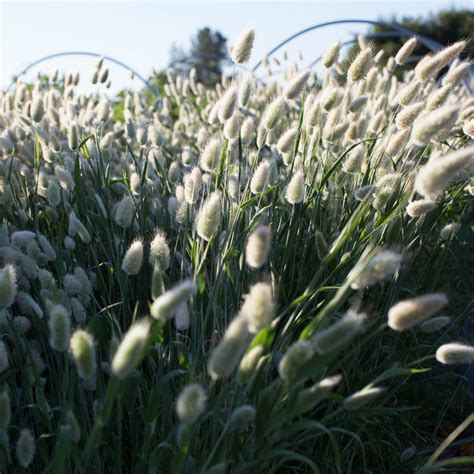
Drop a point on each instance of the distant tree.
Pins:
(446, 27)
(207, 53)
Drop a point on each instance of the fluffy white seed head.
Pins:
(260, 178)
(455, 353)
(166, 305)
(456, 74)
(420, 207)
(182, 319)
(439, 173)
(332, 54)
(125, 212)
(294, 88)
(408, 313)
(37, 109)
(405, 51)
(362, 398)
(294, 358)
(360, 66)
(210, 155)
(295, 191)
(8, 286)
(287, 140)
(133, 259)
(245, 90)
(160, 251)
(434, 324)
(273, 113)
(227, 104)
(258, 247)
(426, 127)
(243, 48)
(209, 217)
(227, 354)
(449, 230)
(258, 307)
(25, 448)
(338, 334)
(249, 363)
(310, 397)
(191, 403)
(407, 115)
(131, 350)
(59, 328)
(82, 348)
(382, 266)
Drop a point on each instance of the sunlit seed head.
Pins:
(227, 104)
(82, 348)
(332, 54)
(245, 90)
(125, 212)
(455, 353)
(210, 155)
(131, 350)
(243, 48)
(226, 355)
(273, 113)
(249, 363)
(360, 66)
(405, 51)
(37, 109)
(165, 306)
(294, 358)
(408, 313)
(209, 216)
(426, 127)
(258, 247)
(287, 140)
(295, 191)
(438, 174)
(296, 86)
(362, 398)
(258, 307)
(310, 397)
(133, 259)
(338, 334)
(420, 207)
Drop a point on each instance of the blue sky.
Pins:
(141, 33)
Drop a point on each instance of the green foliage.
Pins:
(446, 27)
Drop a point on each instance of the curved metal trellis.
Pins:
(90, 54)
(428, 42)
(382, 34)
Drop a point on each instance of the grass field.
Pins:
(258, 276)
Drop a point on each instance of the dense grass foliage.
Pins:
(265, 276)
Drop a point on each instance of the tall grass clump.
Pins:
(258, 276)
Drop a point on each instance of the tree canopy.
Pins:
(207, 53)
(446, 27)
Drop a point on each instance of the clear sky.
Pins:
(141, 33)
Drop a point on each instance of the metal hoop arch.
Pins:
(428, 42)
(90, 54)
